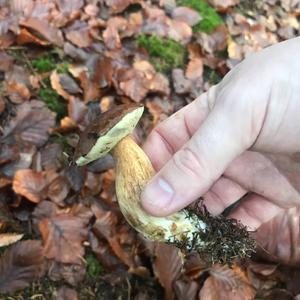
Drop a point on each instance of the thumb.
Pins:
(192, 170)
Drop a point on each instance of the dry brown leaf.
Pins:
(226, 283)
(72, 274)
(194, 267)
(138, 81)
(93, 76)
(180, 31)
(79, 34)
(65, 293)
(167, 266)
(31, 123)
(118, 6)
(67, 6)
(186, 289)
(63, 236)
(223, 5)
(262, 269)
(20, 265)
(18, 84)
(279, 239)
(44, 29)
(8, 153)
(58, 190)
(56, 85)
(51, 157)
(2, 105)
(215, 41)
(104, 253)
(23, 162)
(30, 184)
(187, 15)
(180, 83)
(105, 226)
(6, 62)
(26, 37)
(9, 238)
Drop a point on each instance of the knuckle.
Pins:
(188, 162)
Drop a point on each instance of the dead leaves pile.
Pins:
(68, 212)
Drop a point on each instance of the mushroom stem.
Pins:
(133, 171)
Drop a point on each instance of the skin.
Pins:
(241, 137)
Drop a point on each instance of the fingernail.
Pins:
(158, 193)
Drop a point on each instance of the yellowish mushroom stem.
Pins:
(133, 171)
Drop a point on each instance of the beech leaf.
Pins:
(19, 265)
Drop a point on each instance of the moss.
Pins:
(62, 68)
(94, 268)
(165, 54)
(44, 64)
(53, 101)
(210, 18)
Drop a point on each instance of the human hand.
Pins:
(241, 136)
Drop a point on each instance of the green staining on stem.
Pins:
(210, 18)
(165, 54)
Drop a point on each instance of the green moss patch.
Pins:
(53, 101)
(94, 268)
(44, 64)
(165, 54)
(210, 18)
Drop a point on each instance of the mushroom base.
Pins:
(216, 239)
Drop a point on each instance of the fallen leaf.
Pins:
(279, 238)
(68, 6)
(9, 238)
(63, 236)
(2, 105)
(79, 34)
(72, 274)
(20, 265)
(31, 123)
(23, 161)
(65, 293)
(112, 38)
(18, 84)
(51, 157)
(226, 283)
(180, 83)
(223, 5)
(187, 15)
(167, 266)
(186, 289)
(140, 80)
(215, 41)
(26, 37)
(58, 190)
(30, 184)
(8, 153)
(6, 61)
(44, 29)
(105, 226)
(118, 6)
(56, 79)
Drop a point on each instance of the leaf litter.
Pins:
(64, 62)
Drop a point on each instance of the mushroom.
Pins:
(111, 133)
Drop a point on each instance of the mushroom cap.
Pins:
(106, 131)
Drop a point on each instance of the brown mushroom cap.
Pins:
(106, 131)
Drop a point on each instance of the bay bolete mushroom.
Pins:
(111, 133)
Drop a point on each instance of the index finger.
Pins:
(170, 135)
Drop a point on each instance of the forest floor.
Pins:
(62, 235)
